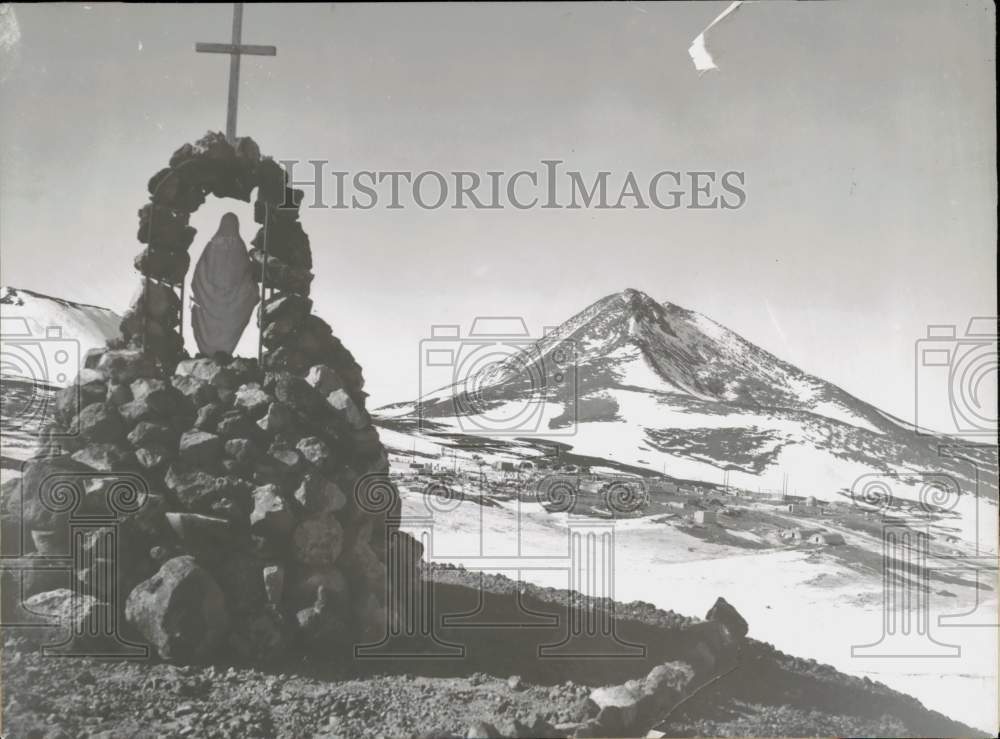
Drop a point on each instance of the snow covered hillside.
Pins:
(43, 341)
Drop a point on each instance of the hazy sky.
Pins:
(866, 131)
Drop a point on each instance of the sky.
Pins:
(865, 131)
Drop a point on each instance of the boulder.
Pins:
(126, 365)
(347, 410)
(310, 580)
(180, 611)
(154, 457)
(100, 422)
(233, 424)
(314, 450)
(244, 451)
(201, 534)
(197, 390)
(278, 417)
(163, 264)
(258, 637)
(323, 379)
(207, 417)
(118, 394)
(289, 306)
(106, 457)
(194, 489)
(147, 434)
(65, 610)
(317, 494)
(318, 540)
(723, 612)
(274, 583)
(271, 515)
(199, 448)
(252, 400)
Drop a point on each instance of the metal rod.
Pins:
(263, 285)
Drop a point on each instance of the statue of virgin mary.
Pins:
(223, 291)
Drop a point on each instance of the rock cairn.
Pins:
(265, 519)
(265, 522)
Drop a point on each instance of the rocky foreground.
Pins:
(499, 688)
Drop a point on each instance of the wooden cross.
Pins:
(235, 50)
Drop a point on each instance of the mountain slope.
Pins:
(660, 387)
(36, 326)
(43, 341)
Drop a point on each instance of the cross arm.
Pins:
(236, 49)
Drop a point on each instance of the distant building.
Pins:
(827, 538)
(801, 534)
(704, 517)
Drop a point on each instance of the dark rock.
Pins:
(281, 275)
(100, 422)
(136, 411)
(318, 540)
(314, 450)
(233, 424)
(199, 448)
(163, 228)
(274, 583)
(278, 417)
(258, 637)
(202, 534)
(288, 307)
(324, 379)
(207, 417)
(163, 264)
(297, 394)
(64, 610)
(317, 494)
(723, 612)
(118, 394)
(347, 410)
(252, 400)
(144, 387)
(271, 515)
(106, 458)
(146, 434)
(243, 451)
(198, 391)
(154, 457)
(180, 611)
(126, 365)
(195, 489)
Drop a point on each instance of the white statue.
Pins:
(223, 291)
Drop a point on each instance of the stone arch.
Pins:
(291, 337)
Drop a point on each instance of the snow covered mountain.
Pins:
(655, 386)
(43, 341)
(44, 337)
